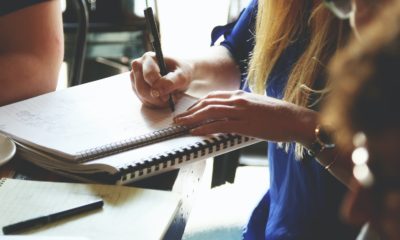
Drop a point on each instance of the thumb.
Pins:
(175, 81)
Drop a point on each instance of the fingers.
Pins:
(153, 88)
(223, 126)
(142, 89)
(151, 71)
(207, 114)
(175, 81)
(148, 68)
(219, 112)
(221, 97)
(144, 76)
(205, 105)
(228, 98)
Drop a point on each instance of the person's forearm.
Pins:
(215, 70)
(32, 76)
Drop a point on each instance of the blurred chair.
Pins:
(81, 41)
(101, 36)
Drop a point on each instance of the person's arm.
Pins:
(31, 51)
(262, 117)
(220, 68)
(216, 70)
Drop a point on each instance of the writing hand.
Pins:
(152, 88)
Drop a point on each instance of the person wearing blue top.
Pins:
(277, 51)
(31, 48)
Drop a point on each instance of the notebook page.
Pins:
(84, 117)
(140, 213)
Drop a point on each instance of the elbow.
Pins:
(42, 71)
(49, 67)
(55, 61)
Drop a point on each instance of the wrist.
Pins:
(323, 139)
(304, 132)
(192, 70)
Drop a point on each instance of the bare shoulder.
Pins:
(28, 27)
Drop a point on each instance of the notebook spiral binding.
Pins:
(178, 156)
(131, 143)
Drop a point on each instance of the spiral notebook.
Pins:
(100, 131)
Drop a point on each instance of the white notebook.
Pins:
(101, 130)
(128, 213)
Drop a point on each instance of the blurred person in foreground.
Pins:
(363, 110)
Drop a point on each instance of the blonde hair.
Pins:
(280, 23)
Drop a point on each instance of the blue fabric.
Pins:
(303, 200)
(9, 6)
(239, 38)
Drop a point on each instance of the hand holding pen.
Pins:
(152, 87)
(155, 40)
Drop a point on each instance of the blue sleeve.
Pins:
(9, 6)
(239, 36)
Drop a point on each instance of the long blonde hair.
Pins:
(280, 23)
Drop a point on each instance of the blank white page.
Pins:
(128, 213)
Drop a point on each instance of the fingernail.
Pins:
(177, 119)
(154, 93)
(134, 65)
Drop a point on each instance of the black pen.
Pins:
(155, 40)
(24, 225)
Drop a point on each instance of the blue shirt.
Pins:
(304, 199)
(9, 6)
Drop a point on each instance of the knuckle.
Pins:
(151, 77)
(206, 102)
(213, 94)
(180, 77)
(211, 108)
(238, 92)
(240, 101)
(135, 64)
(148, 55)
(209, 95)
(134, 61)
